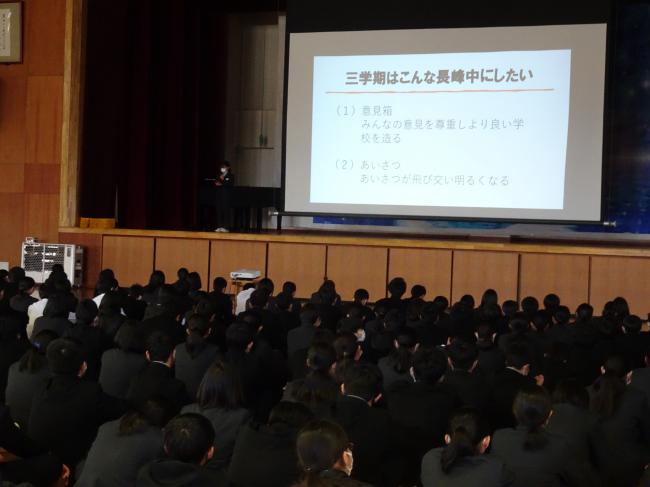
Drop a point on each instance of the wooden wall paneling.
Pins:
(303, 264)
(620, 276)
(42, 216)
(13, 95)
(431, 268)
(174, 253)
(131, 258)
(229, 255)
(475, 271)
(12, 177)
(43, 119)
(565, 275)
(42, 179)
(354, 267)
(92, 245)
(45, 26)
(11, 235)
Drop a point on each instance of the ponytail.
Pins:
(608, 390)
(532, 408)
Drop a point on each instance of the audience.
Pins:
(433, 392)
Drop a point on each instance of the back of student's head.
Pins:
(406, 342)
(128, 338)
(321, 357)
(363, 380)
(442, 303)
(159, 347)
(532, 408)
(632, 324)
(490, 296)
(194, 281)
(188, 438)
(219, 284)
(16, 274)
(562, 315)
(147, 414)
(292, 414)
(55, 308)
(220, 388)
(529, 305)
(510, 308)
(541, 320)
(485, 332)
(238, 336)
(259, 298)
(585, 312)
(519, 324)
(418, 291)
(156, 280)
(551, 302)
(105, 285)
(346, 346)
(397, 287)
(320, 445)
(462, 354)
(517, 355)
(289, 287)
(266, 284)
(468, 435)
(34, 359)
(26, 284)
(468, 301)
(608, 389)
(64, 357)
(308, 314)
(414, 309)
(429, 365)
(111, 304)
(198, 328)
(361, 295)
(620, 307)
(86, 312)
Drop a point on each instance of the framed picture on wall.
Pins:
(11, 27)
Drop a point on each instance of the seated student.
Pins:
(32, 464)
(463, 462)
(397, 365)
(368, 427)
(640, 377)
(13, 344)
(633, 343)
(110, 317)
(92, 338)
(298, 361)
(66, 411)
(156, 380)
(622, 438)
(272, 445)
(156, 282)
(24, 299)
(124, 446)
(325, 456)
(195, 355)
(328, 305)
(105, 284)
(220, 399)
(300, 338)
(535, 456)
(360, 302)
(242, 297)
(222, 302)
(164, 315)
(119, 365)
(469, 384)
(422, 408)
(491, 359)
(287, 317)
(188, 444)
(317, 390)
(26, 377)
(55, 317)
(134, 306)
(506, 385)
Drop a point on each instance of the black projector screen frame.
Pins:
(364, 15)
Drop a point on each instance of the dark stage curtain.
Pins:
(153, 109)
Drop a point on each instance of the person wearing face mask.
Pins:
(225, 179)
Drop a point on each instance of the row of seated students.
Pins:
(164, 385)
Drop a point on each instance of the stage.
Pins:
(577, 272)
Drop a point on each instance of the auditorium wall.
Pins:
(31, 100)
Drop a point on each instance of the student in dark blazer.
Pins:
(422, 409)
(188, 444)
(368, 427)
(220, 400)
(195, 355)
(535, 456)
(26, 377)
(119, 365)
(506, 385)
(67, 410)
(156, 380)
(469, 383)
(272, 445)
(124, 446)
(463, 462)
(55, 317)
(13, 344)
(300, 338)
(622, 438)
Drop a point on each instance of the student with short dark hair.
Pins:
(66, 411)
(119, 365)
(397, 365)
(55, 317)
(299, 338)
(325, 456)
(195, 355)
(463, 461)
(396, 289)
(188, 444)
(272, 446)
(92, 338)
(123, 446)
(156, 380)
(469, 383)
(220, 399)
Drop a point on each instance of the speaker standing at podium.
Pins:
(225, 179)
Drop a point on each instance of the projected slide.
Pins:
(484, 130)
